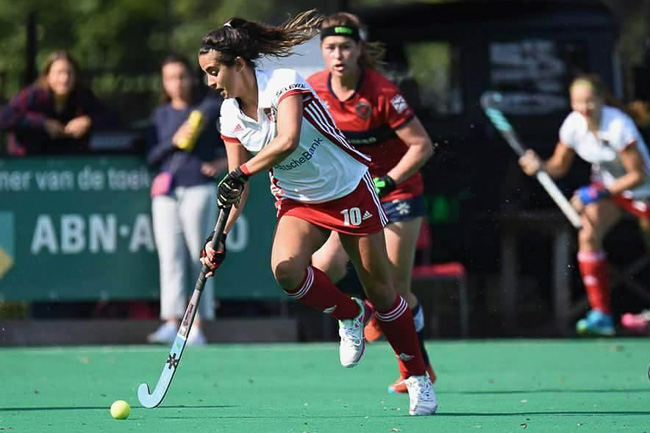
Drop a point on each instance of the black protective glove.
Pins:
(219, 253)
(384, 185)
(231, 188)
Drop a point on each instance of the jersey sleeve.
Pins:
(227, 123)
(287, 82)
(624, 133)
(396, 111)
(567, 131)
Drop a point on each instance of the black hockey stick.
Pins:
(151, 400)
(490, 102)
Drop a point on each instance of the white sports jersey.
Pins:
(323, 167)
(616, 132)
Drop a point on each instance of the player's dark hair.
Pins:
(372, 53)
(182, 60)
(251, 40)
(47, 66)
(599, 88)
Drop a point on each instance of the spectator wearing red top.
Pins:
(54, 115)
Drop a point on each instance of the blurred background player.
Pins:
(184, 145)
(378, 121)
(606, 137)
(55, 114)
(271, 120)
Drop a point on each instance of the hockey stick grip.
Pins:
(559, 199)
(217, 236)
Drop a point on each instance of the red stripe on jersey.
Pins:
(293, 92)
(275, 188)
(325, 119)
(230, 139)
(319, 121)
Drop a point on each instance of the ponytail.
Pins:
(250, 40)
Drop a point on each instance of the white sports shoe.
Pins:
(351, 332)
(196, 337)
(166, 333)
(422, 397)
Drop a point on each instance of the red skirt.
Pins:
(359, 213)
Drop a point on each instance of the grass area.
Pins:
(487, 386)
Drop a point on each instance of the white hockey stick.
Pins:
(490, 102)
(151, 400)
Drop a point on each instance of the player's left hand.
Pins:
(384, 185)
(231, 188)
(590, 194)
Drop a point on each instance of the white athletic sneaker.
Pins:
(351, 332)
(165, 334)
(196, 337)
(422, 397)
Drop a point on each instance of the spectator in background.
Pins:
(184, 144)
(54, 115)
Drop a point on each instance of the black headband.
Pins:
(350, 32)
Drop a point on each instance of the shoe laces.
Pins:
(421, 387)
(350, 331)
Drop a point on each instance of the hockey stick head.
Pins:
(154, 399)
(145, 397)
(490, 101)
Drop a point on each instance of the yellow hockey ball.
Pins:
(120, 409)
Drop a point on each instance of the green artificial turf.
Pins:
(486, 386)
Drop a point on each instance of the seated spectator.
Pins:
(185, 146)
(54, 115)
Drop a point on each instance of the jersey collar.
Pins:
(362, 75)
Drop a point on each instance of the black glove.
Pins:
(231, 188)
(219, 253)
(384, 185)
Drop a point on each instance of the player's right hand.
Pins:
(530, 162)
(211, 258)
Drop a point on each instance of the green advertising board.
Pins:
(80, 229)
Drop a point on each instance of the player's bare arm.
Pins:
(419, 150)
(287, 139)
(633, 163)
(237, 155)
(556, 166)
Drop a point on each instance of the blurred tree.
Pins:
(120, 43)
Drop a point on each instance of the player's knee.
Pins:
(288, 273)
(382, 296)
(334, 266)
(586, 236)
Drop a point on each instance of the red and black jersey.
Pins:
(369, 119)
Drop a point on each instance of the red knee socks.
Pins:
(318, 291)
(397, 325)
(595, 276)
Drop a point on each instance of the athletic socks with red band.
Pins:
(318, 291)
(397, 325)
(595, 276)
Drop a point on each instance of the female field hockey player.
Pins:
(375, 118)
(272, 121)
(604, 136)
